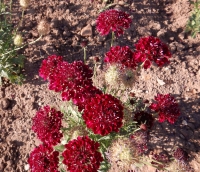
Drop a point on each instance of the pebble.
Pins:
(87, 31)
(26, 167)
(4, 103)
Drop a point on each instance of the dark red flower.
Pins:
(82, 155)
(70, 76)
(181, 155)
(47, 124)
(144, 118)
(114, 20)
(80, 95)
(166, 107)
(43, 159)
(103, 114)
(161, 158)
(151, 49)
(139, 139)
(121, 55)
(49, 66)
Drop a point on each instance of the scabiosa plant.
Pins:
(82, 154)
(47, 124)
(103, 114)
(122, 56)
(144, 118)
(139, 139)
(151, 49)
(114, 20)
(44, 159)
(166, 107)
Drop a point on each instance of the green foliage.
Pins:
(10, 61)
(193, 24)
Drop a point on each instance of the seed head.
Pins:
(112, 75)
(18, 40)
(43, 27)
(128, 77)
(24, 3)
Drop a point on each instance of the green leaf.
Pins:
(59, 148)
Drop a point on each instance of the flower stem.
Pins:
(84, 51)
(113, 37)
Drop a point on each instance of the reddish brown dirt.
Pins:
(165, 19)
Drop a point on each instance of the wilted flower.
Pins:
(151, 49)
(181, 155)
(43, 158)
(47, 124)
(103, 114)
(43, 27)
(114, 20)
(122, 155)
(128, 77)
(166, 107)
(18, 40)
(122, 56)
(161, 158)
(144, 118)
(24, 3)
(139, 139)
(112, 75)
(82, 154)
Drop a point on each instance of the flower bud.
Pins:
(18, 40)
(24, 3)
(43, 27)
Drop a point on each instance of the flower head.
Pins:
(82, 154)
(43, 27)
(139, 139)
(114, 20)
(181, 155)
(144, 118)
(24, 3)
(112, 75)
(18, 40)
(122, 56)
(47, 124)
(151, 49)
(122, 155)
(128, 77)
(49, 66)
(103, 114)
(43, 158)
(166, 107)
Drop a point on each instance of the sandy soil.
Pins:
(73, 21)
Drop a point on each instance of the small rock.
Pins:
(160, 82)
(4, 103)
(161, 33)
(87, 30)
(180, 47)
(26, 167)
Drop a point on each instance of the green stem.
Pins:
(10, 9)
(113, 37)
(22, 46)
(84, 51)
